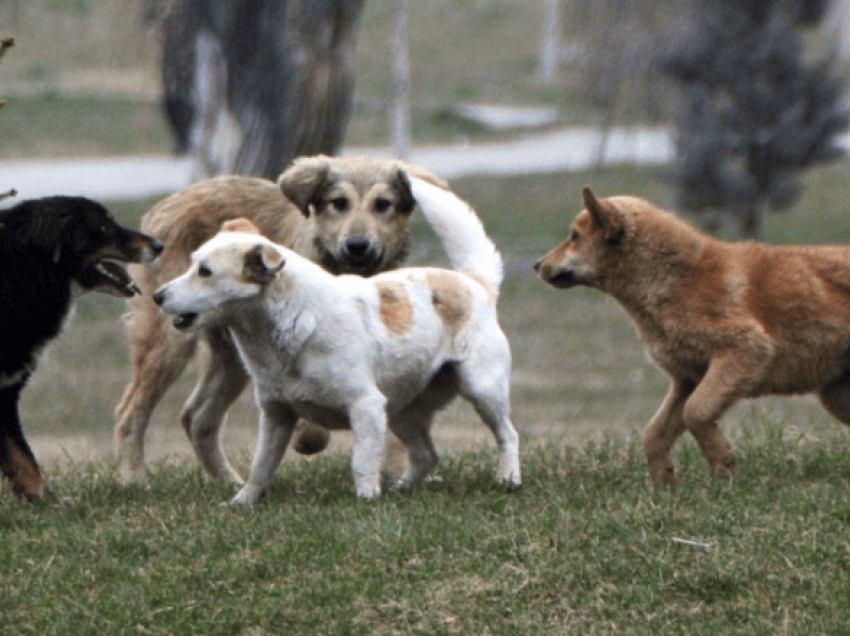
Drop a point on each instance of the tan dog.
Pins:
(351, 215)
(724, 320)
(349, 352)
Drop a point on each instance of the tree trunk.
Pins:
(550, 43)
(401, 80)
(752, 222)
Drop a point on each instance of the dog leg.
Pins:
(159, 355)
(277, 422)
(222, 380)
(665, 427)
(492, 403)
(16, 458)
(497, 419)
(413, 428)
(835, 398)
(368, 419)
(727, 378)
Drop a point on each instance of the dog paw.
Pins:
(511, 476)
(135, 478)
(726, 469)
(310, 439)
(247, 497)
(367, 491)
(662, 474)
(513, 485)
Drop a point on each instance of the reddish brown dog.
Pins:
(724, 320)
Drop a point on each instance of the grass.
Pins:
(54, 125)
(585, 548)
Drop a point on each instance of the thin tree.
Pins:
(619, 42)
(401, 116)
(5, 45)
(757, 112)
(251, 84)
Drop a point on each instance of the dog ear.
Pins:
(262, 263)
(605, 216)
(302, 182)
(400, 182)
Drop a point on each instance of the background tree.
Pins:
(757, 113)
(5, 45)
(615, 44)
(251, 84)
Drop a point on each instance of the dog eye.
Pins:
(382, 205)
(340, 204)
(204, 271)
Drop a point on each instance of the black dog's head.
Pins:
(84, 239)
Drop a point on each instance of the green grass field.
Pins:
(586, 547)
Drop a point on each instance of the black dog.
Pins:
(51, 251)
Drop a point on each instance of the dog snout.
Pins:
(159, 297)
(537, 265)
(358, 247)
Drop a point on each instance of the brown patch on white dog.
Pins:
(396, 310)
(452, 299)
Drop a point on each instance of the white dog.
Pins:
(359, 353)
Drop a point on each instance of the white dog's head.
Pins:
(237, 263)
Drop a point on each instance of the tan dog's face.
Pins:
(361, 206)
(235, 264)
(580, 259)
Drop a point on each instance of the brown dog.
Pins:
(724, 320)
(350, 215)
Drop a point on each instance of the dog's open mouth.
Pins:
(185, 321)
(111, 277)
(562, 280)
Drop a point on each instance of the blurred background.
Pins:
(723, 110)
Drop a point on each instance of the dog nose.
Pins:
(159, 297)
(537, 266)
(358, 246)
(157, 246)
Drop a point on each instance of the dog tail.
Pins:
(461, 232)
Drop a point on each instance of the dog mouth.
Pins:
(111, 277)
(185, 321)
(562, 280)
(356, 256)
(360, 268)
